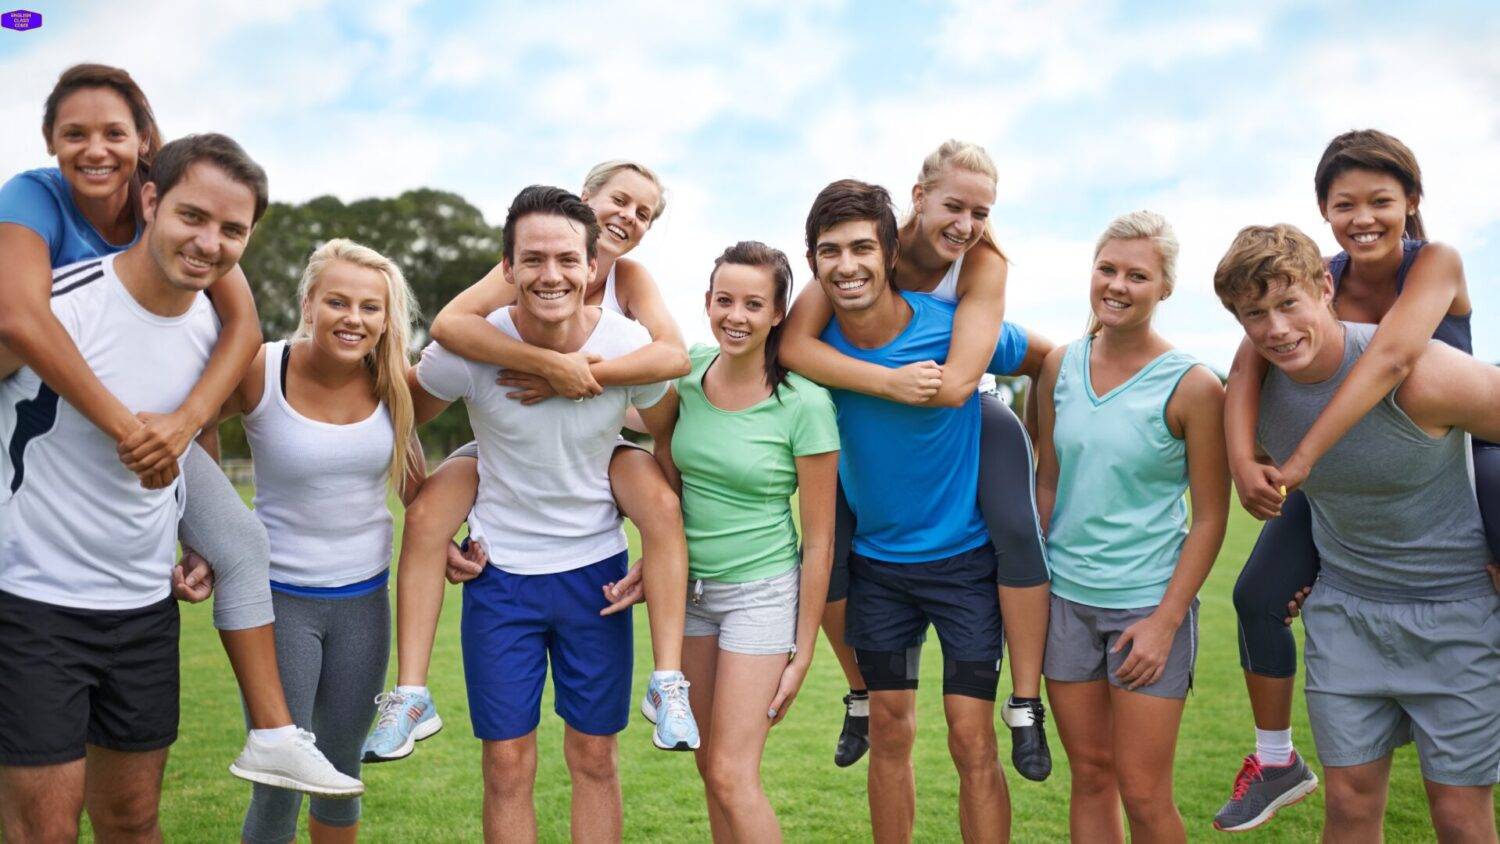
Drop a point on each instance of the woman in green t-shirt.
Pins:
(749, 436)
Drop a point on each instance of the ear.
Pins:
(1326, 293)
(917, 195)
(149, 203)
(777, 318)
(708, 299)
(508, 271)
(593, 270)
(812, 264)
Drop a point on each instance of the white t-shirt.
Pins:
(76, 527)
(544, 502)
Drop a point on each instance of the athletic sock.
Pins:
(859, 703)
(412, 690)
(274, 735)
(859, 692)
(1021, 702)
(1273, 747)
(662, 676)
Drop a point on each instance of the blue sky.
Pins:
(1213, 114)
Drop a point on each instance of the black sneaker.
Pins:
(1028, 738)
(854, 739)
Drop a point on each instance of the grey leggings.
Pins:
(332, 653)
(219, 526)
(1007, 501)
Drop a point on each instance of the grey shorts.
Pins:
(470, 449)
(1079, 638)
(755, 617)
(1380, 674)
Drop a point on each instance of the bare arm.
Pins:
(976, 325)
(32, 333)
(1435, 281)
(804, 352)
(1037, 350)
(1047, 469)
(425, 406)
(817, 478)
(1258, 482)
(665, 357)
(416, 471)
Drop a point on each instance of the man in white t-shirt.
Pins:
(548, 521)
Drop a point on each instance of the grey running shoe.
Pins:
(1260, 790)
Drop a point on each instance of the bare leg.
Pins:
(833, 628)
(509, 778)
(594, 767)
(432, 519)
(1024, 611)
(1462, 814)
(1083, 723)
(643, 495)
(1145, 743)
(1271, 700)
(983, 802)
(321, 833)
(745, 687)
(1354, 802)
(41, 803)
(122, 792)
(700, 664)
(252, 655)
(892, 785)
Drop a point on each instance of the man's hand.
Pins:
(1495, 575)
(467, 562)
(914, 383)
(193, 578)
(622, 593)
(161, 439)
(571, 376)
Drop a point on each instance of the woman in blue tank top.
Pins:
(1127, 426)
(1369, 187)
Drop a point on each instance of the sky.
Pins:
(1213, 114)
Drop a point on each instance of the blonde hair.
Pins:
(1260, 256)
(600, 175)
(388, 361)
(964, 155)
(1143, 225)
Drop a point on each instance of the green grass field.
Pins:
(435, 794)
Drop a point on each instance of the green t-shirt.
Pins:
(739, 472)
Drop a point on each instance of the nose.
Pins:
(1364, 215)
(846, 265)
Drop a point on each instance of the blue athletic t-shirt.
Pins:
(42, 200)
(911, 474)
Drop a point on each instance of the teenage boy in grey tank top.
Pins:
(1403, 626)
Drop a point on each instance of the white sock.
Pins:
(859, 707)
(665, 675)
(1273, 747)
(274, 735)
(408, 690)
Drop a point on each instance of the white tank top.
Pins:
(611, 301)
(320, 488)
(947, 290)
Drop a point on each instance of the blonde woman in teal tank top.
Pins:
(1128, 424)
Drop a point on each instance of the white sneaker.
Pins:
(294, 763)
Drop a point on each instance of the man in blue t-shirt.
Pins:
(920, 550)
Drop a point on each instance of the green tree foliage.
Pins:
(440, 241)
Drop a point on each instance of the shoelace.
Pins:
(674, 696)
(390, 704)
(1249, 774)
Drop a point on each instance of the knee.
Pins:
(1347, 801)
(729, 784)
(509, 769)
(1145, 797)
(592, 759)
(56, 826)
(1093, 772)
(1253, 602)
(1457, 819)
(893, 729)
(133, 819)
(974, 752)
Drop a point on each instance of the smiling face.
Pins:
(1127, 283)
(346, 310)
(96, 142)
(952, 212)
(625, 206)
(198, 230)
(1291, 323)
(551, 269)
(1367, 210)
(850, 265)
(741, 305)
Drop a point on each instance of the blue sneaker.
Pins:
(666, 706)
(404, 718)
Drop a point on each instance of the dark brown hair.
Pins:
(753, 253)
(851, 199)
(1372, 149)
(221, 151)
(543, 199)
(83, 76)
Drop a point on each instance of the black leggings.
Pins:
(1007, 501)
(1284, 561)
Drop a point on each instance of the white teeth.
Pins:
(1115, 304)
(850, 284)
(617, 231)
(959, 241)
(97, 171)
(1366, 237)
(1285, 347)
(736, 335)
(347, 336)
(196, 262)
(550, 294)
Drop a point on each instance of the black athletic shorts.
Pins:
(891, 604)
(70, 677)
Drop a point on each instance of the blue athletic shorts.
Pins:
(513, 623)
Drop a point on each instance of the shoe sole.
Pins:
(278, 781)
(1289, 798)
(649, 712)
(425, 730)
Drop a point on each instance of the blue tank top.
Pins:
(1120, 517)
(1453, 330)
(42, 200)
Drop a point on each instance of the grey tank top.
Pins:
(1395, 517)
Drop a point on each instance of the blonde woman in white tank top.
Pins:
(328, 416)
(948, 250)
(627, 198)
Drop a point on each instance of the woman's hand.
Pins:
(1259, 487)
(786, 691)
(571, 377)
(1150, 641)
(467, 562)
(914, 383)
(158, 442)
(626, 591)
(1294, 606)
(192, 578)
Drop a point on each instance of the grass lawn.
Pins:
(435, 794)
